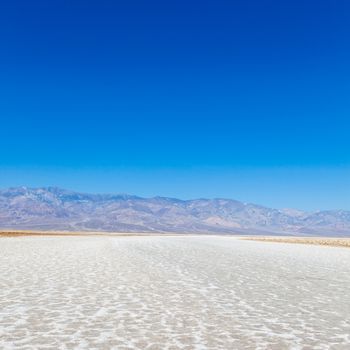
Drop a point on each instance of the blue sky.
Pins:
(237, 99)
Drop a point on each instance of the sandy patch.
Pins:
(333, 242)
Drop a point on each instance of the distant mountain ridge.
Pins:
(52, 208)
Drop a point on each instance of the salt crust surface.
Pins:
(172, 293)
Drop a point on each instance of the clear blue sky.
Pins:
(238, 99)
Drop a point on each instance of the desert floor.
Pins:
(154, 292)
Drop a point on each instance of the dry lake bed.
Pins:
(172, 293)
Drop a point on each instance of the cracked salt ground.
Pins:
(172, 293)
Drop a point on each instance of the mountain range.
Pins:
(52, 208)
